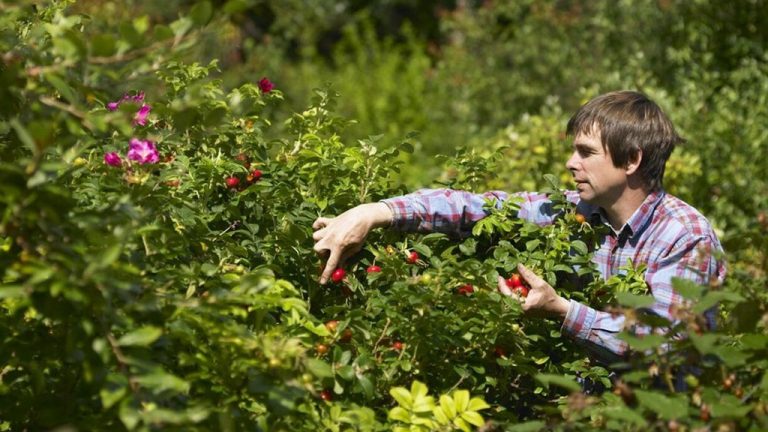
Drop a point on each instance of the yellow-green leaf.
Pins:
(461, 400)
(402, 396)
(418, 389)
(441, 416)
(400, 414)
(473, 418)
(448, 406)
(477, 404)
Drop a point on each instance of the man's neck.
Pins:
(621, 210)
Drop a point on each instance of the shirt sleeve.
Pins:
(689, 258)
(455, 212)
(441, 210)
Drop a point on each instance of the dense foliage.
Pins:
(155, 221)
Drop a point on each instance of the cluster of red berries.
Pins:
(252, 177)
(515, 282)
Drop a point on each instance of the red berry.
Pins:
(254, 176)
(346, 335)
(521, 291)
(232, 182)
(338, 275)
(413, 257)
(326, 395)
(397, 346)
(373, 269)
(466, 289)
(500, 352)
(514, 281)
(321, 348)
(332, 325)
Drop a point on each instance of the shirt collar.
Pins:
(640, 218)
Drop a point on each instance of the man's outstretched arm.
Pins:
(340, 237)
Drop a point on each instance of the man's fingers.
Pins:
(318, 235)
(330, 266)
(321, 222)
(504, 288)
(529, 276)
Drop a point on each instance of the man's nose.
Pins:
(570, 164)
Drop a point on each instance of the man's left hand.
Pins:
(542, 300)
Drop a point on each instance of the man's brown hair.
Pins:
(628, 122)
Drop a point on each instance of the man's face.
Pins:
(597, 180)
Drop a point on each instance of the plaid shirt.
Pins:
(669, 236)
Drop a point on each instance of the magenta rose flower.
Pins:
(113, 159)
(266, 85)
(143, 151)
(141, 115)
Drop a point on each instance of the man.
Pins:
(622, 141)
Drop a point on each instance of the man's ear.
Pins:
(634, 162)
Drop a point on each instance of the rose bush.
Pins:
(158, 271)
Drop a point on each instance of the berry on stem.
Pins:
(413, 257)
(338, 275)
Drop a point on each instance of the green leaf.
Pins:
(418, 389)
(642, 343)
(441, 416)
(10, 291)
(461, 400)
(447, 404)
(473, 418)
(115, 388)
(366, 385)
(714, 297)
(160, 381)
(319, 368)
(402, 396)
(399, 414)
(201, 13)
(634, 300)
(558, 380)
(103, 45)
(141, 337)
(580, 247)
(477, 404)
(666, 407)
(624, 414)
(530, 426)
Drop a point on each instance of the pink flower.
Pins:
(266, 85)
(143, 152)
(112, 159)
(112, 106)
(141, 115)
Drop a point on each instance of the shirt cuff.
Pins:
(578, 321)
(402, 212)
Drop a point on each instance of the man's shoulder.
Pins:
(673, 211)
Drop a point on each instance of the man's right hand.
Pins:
(343, 236)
